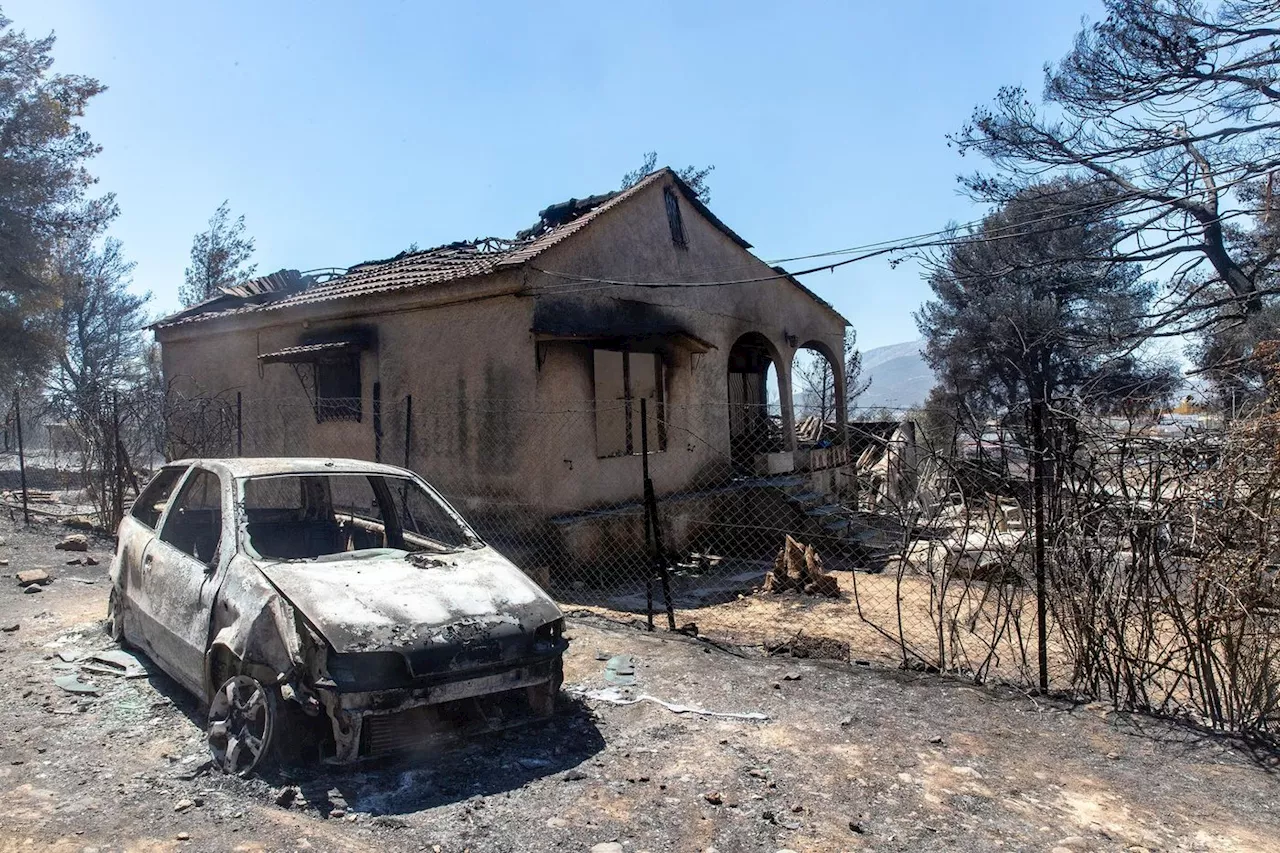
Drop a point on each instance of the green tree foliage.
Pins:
(219, 258)
(1169, 104)
(1029, 306)
(43, 192)
(694, 176)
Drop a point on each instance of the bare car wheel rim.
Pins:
(241, 719)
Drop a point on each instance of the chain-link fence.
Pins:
(911, 544)
(82, 459)
(1132, 559)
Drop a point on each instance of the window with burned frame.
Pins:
(622, 378)
(337, 383)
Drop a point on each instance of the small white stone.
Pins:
(607, 847)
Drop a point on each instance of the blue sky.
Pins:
(345, 132)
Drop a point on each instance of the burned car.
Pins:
(328, 607)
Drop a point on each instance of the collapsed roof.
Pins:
(446, 263)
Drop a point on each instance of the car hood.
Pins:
(386, 602)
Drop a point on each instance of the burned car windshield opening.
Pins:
(311, 516)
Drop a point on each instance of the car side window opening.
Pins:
(194, 522)
(426, 523)
(297, 517)
(150, 505)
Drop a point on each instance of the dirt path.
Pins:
(856, 758)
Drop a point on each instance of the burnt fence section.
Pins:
(80, 460)
(1130, 560)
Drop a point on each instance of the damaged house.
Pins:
(510, 373)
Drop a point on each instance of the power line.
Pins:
(884, 247)
(1014, 230)
(1120, 198)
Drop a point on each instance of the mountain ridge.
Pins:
(900, 377)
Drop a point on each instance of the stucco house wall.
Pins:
(502, 416)
(454, 358)
(633, 243)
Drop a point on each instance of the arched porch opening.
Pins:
(757, 389)
(818, 394)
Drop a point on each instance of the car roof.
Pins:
(265, 466)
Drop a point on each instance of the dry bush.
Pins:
(1161, 564)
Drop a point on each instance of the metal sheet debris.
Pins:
(115, 662)
(615, 697)
(73, 684)
(620, 670)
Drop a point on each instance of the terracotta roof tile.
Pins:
(452, 262)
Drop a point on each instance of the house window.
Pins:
(338, 390)
(622, 379)
(673, 218)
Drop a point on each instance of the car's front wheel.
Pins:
(243, 717)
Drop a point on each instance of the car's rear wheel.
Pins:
(243, 717)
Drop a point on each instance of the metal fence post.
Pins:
(648, 519)
(117, 463)
(239, 425)
(22, 459)
(1038, 475)
(651, 523)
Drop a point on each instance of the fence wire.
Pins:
(901, 542)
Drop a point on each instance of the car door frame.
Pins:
(178, 638)
(133, 537)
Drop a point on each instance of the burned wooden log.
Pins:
(798, 568)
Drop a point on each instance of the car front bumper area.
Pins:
(376, 723)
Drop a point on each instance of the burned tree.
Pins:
(1167, 105)
(1222, 351)
(1024, 312)
(102, 378)
(815, 380)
